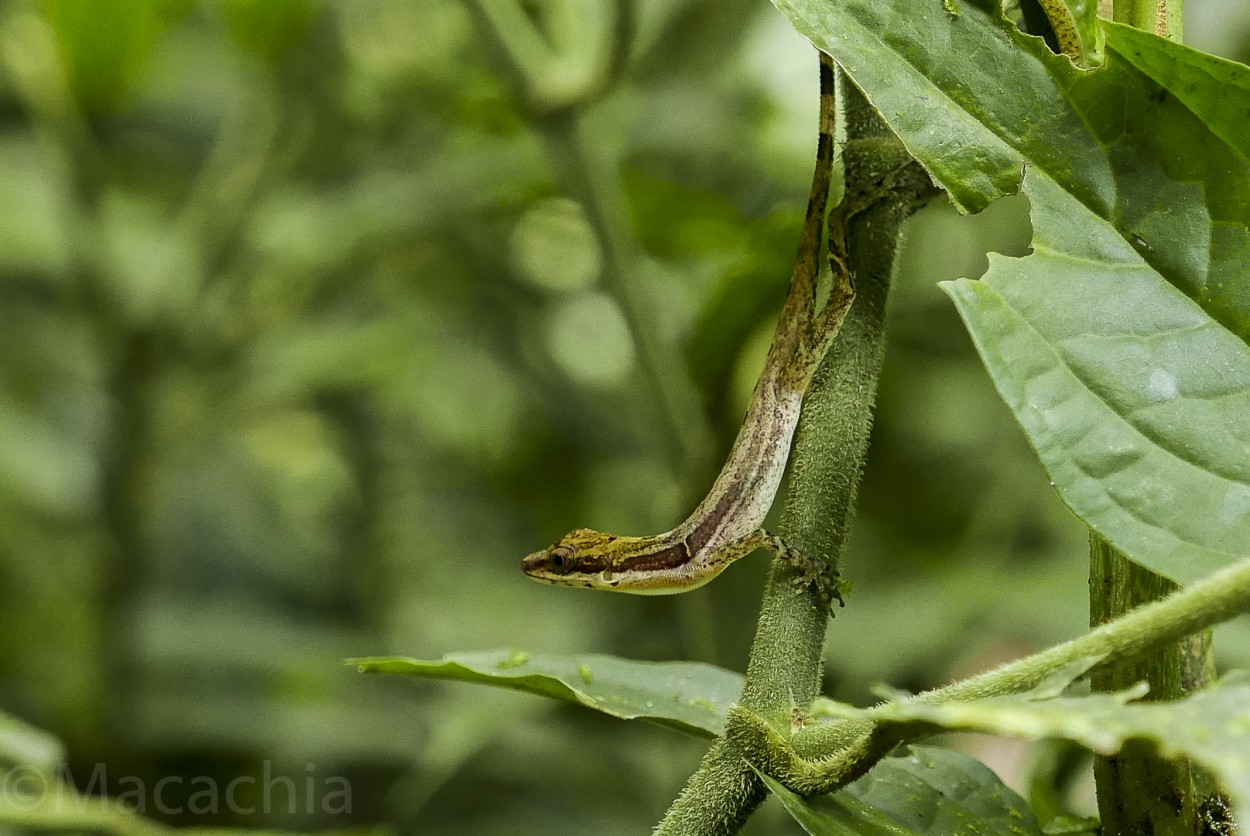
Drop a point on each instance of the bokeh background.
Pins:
(308, 333)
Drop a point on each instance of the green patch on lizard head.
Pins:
(573, 560)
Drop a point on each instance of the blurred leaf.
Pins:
(40, 803)
(1211, 727)
(1073, 826)
(587, 336)
(46, 468)
(48, 805)
(751, 257)
(685, 695)
(22, 743)
(929, 792)
(32, 206)
(104, 42)
(1121, 343)
(553, 245)
(269, 28)
(33, 796)
(678, 221)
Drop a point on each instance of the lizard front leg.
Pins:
(813, 571)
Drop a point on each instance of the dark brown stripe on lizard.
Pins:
(672, 557)
(589, 566)
(699, 538)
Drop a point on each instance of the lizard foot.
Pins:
(813, 571)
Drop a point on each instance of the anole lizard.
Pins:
(727, 523)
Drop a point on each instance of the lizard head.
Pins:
(580, 558)
(594, 560)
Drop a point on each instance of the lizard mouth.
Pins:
(534, 564)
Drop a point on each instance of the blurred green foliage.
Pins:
(303, 344)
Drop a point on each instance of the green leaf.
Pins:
(1120, 344)
(685, 695)
(929, 792)
(1212, 727)
(970, 96)
(1216, 90)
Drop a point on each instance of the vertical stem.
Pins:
(785, 666)
(1163, 17)
(1138, 791)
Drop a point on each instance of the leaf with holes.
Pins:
(1121, 343)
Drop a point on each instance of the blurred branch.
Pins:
(622, 41)
(227, 184)
(360, 587)
(662, 363)
(593, 183)
(29, 53)
(550, 81)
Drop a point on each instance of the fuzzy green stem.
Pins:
(826, 757)
(1138, 790)
(784, 670)
(1163, 17)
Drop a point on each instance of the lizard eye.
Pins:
(561, 558)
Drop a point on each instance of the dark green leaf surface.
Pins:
(1120, 344)
(930, 792)
(1212, 727)
(1216, 90)
(685, 695)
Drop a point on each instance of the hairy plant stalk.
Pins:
(784, 670)
(1163, 17)
(826, 757)
(1139, 791)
